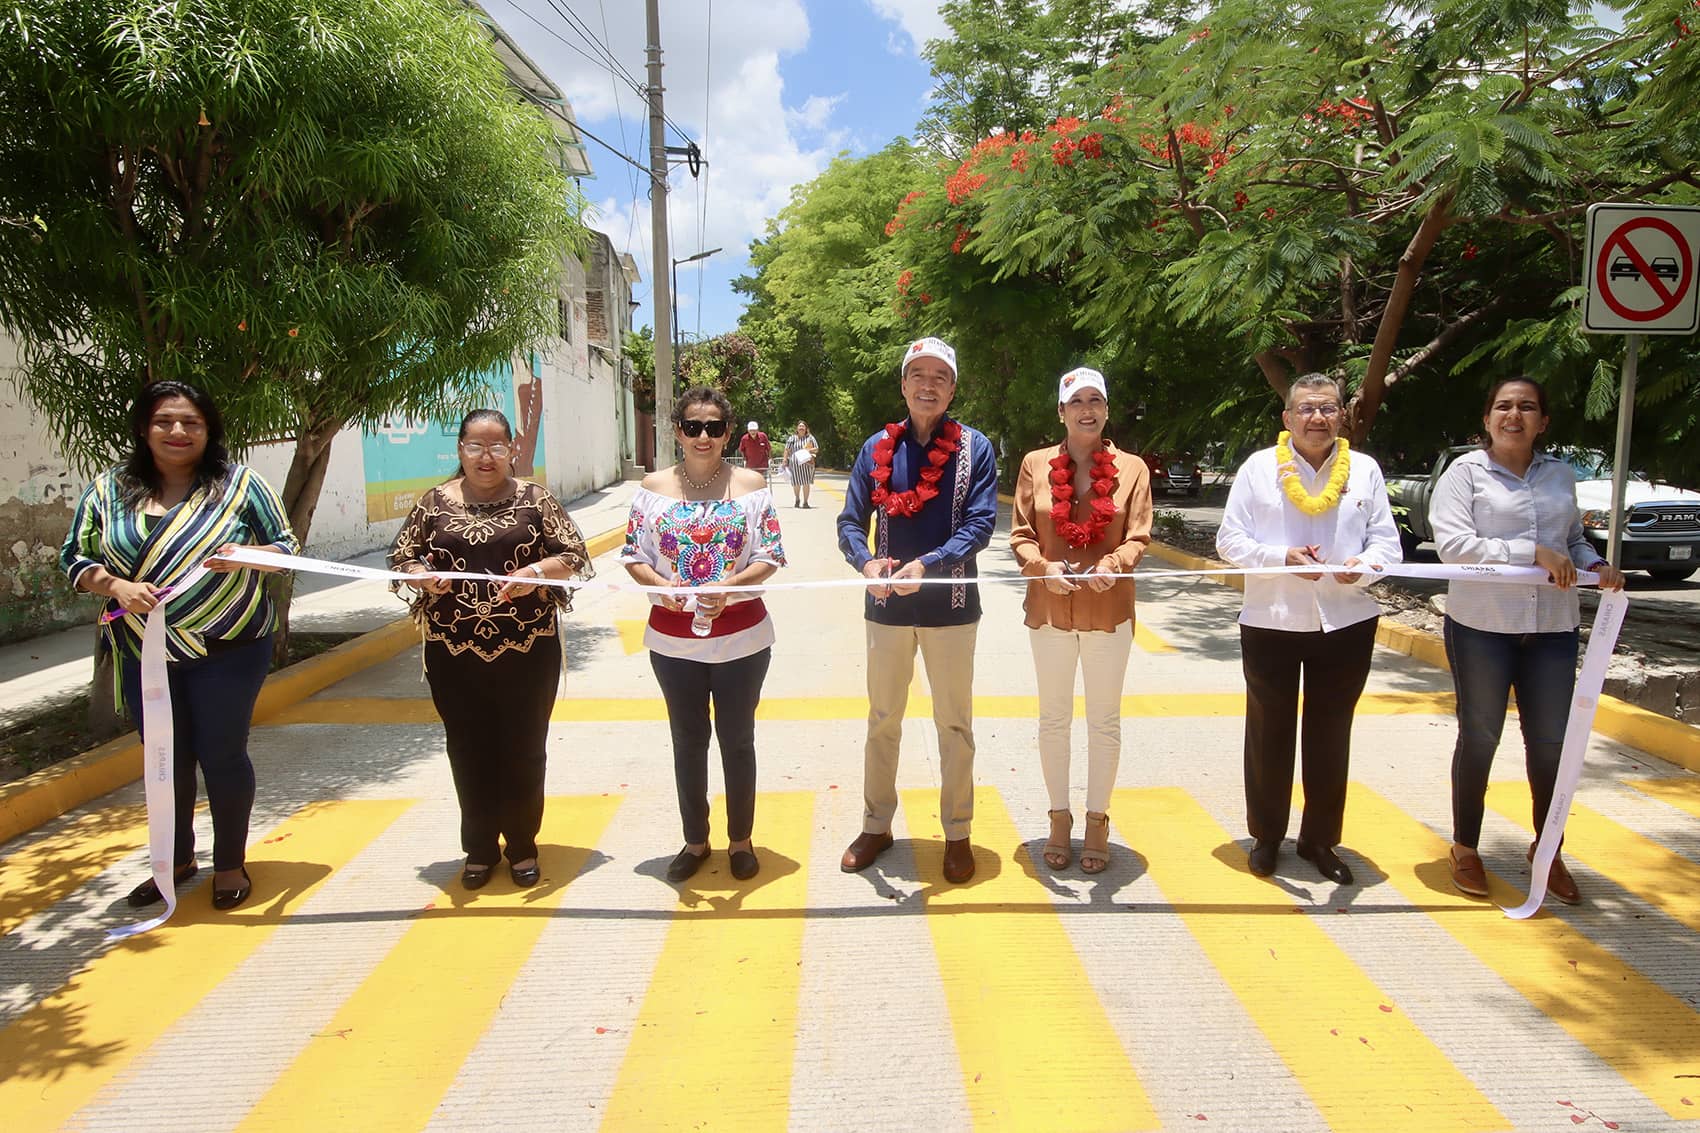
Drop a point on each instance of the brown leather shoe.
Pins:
(863, 851)
(1559, 882)
(1468, 875)
(958, 860)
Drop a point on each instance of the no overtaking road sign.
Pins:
(1641, 265)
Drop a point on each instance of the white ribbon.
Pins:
(159, 760)
(1492, 572)
(1602, 639)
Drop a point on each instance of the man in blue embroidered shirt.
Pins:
(933, 485)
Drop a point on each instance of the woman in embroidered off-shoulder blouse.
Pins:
(703, 522)
(492, 653)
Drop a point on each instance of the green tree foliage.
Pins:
(1394, 194)
(320, 213)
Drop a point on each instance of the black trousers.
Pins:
(212, 707)
(735, 687)
(1334, 667)
(496, 722)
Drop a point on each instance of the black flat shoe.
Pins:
(1261, 860)
(475, 876)
(745, 864)
(685, 866)
(226, 899)
(1327, 863)
(147, 893)
(525, 877)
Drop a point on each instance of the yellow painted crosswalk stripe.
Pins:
(52, 868)
(393, 1048)
(1147, 639)
(1642, 1031)
(1682, 792)
(1665, 880)
(714, 1039)
(1365, 1065)
(631, 634)
(61, 1053)
(607, 710)
(1010, 974)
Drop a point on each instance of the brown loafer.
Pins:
(958, 860)
(1559, 882)
(1468, 875)
(864, 850)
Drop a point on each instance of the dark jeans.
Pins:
(496, 726)
(212, 706)
(1485, 668)
(735, 687)
(1334, 667)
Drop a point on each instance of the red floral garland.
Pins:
(947, 438)
(1103, 508)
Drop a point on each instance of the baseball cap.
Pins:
(751, 426)
(929, 348)
(1078, 379)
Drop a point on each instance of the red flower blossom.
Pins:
(1018, 161)
(963, 235)
(1240, 200)
(1269, 213)
(1062, 152)
(1470, 251)
(1092, 146)
(1066, 126)
(925, 298)
(904, 281)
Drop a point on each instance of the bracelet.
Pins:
(537, 569)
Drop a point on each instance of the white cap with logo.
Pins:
(751, 427)
(930, 348)
(1078, 379)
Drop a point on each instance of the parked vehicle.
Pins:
(1174, 475)
(1661, 530)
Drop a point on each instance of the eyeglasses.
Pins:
(698, 428)
(474, 448)
(1307, 411)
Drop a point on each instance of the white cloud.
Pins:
(919, 19)
(730, 99)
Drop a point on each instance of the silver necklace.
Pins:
(706, 484)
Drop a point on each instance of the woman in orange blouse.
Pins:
(1082, 510)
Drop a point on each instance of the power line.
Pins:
(702, 181)
(620, 116)
(606, 57)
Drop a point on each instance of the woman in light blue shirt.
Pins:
(1511, 504)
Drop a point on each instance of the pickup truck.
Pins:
(1174, 475)
(1661, 533)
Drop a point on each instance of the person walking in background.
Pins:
(1510, 503)
(1305, 502)
(492, 649)
(932, 483)
(801, 451)
(1082, 511)
(756, 449)
(139, 530)
(702, 522)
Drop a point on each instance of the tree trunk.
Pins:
(1374, 388)
(300, 497)
(103, 721)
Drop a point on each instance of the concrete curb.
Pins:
(45, 795)
(1616, 719)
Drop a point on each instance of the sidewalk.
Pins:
(46, 670)
(363, 988)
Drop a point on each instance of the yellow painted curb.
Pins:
(45, 795)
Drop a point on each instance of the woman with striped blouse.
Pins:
(140, 530)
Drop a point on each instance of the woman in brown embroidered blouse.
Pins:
(492, 655)
(1082, 509)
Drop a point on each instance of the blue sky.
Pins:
(788, 84)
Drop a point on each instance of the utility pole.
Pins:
(661, 258)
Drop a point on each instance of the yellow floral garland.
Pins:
(1288, 470)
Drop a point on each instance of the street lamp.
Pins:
(678, 337)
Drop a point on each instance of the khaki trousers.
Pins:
(948, 653)
(1101, 657)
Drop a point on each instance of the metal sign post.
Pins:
(1620, 458)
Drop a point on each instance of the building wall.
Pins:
(38, 493)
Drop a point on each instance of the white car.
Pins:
(1661, 527)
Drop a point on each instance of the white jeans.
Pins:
(1101, 656)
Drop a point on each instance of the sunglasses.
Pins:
(698, 428)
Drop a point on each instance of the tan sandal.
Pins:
(1095, 858)
(1058, 854)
